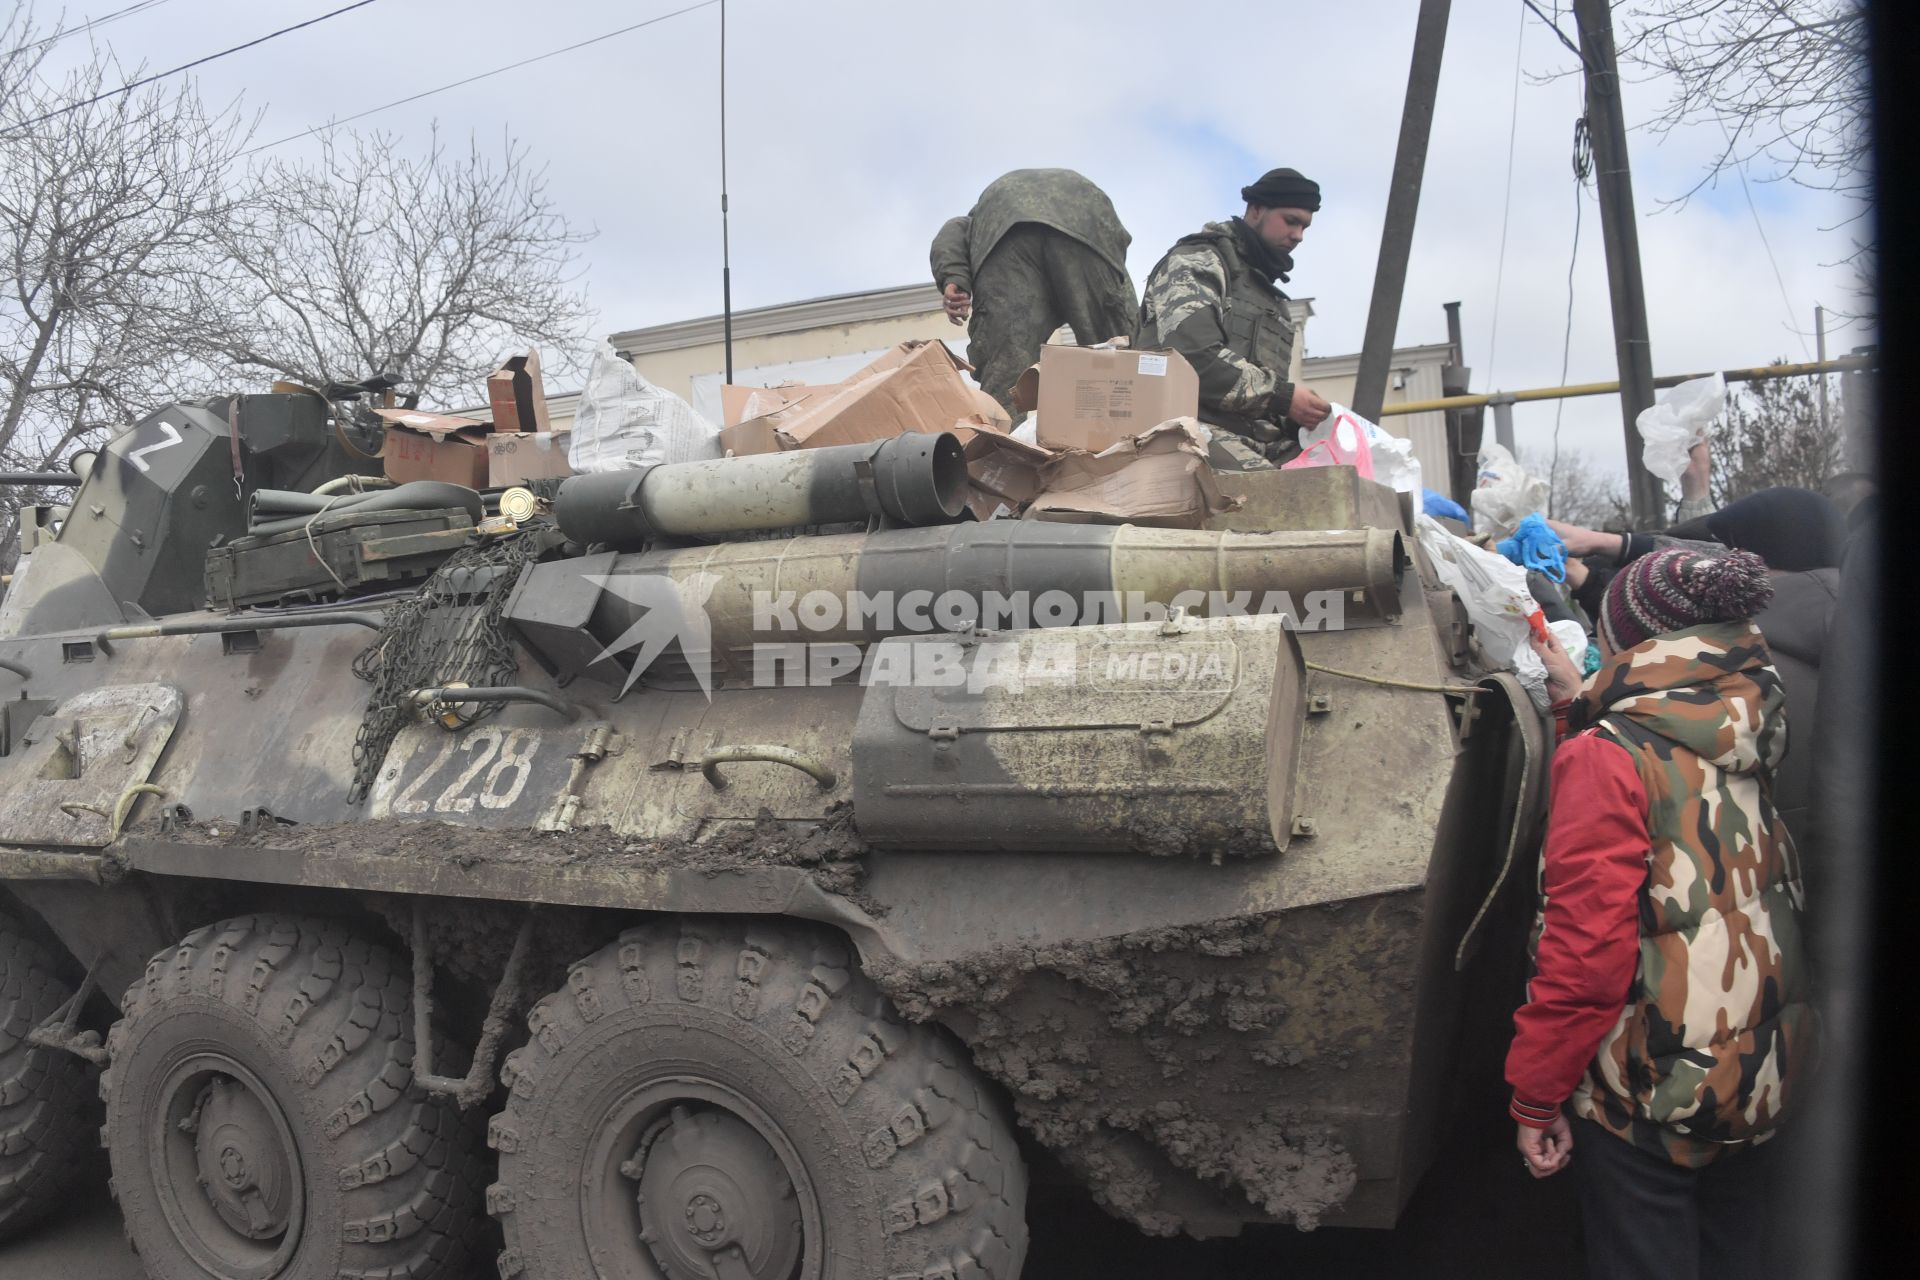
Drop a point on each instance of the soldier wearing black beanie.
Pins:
(1215, 299)
(1283, 189)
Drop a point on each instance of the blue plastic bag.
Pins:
(1439, 504)
(1534, 546)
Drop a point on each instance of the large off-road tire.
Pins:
(713, 1098)
(262, 1119)
(49, 1120)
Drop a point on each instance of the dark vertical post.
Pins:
(1820, 353)
(1403, 203)
(726, 252)
(1453, 331)
(1633, 349)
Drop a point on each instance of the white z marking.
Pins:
(172, 434)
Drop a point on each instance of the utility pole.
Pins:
(1619, 229)
(1403, 203)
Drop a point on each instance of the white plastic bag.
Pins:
(624, 421)
(1493, 589)
(1504, 494)
(1572, 638)
(1028, 432)
(1393, 462)
(1680, 418)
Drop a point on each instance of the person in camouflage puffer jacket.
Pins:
(1670, 1009)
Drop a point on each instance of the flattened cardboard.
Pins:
(1002, 472)
(915, 387)
(514, 457)
(756, 435)
(1093, 397)
(434, 446)
(518, 396)
(1161, 478)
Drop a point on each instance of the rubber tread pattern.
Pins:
(335, 1012)
(49, 1118)
(946, 1184)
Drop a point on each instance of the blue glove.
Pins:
(1439, 504)
(1534, 546)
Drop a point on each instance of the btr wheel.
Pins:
(736, 1101)
(49, 1120)
(263, 1122)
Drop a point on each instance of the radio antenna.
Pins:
(726, 256)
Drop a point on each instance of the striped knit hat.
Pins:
(1674, 589)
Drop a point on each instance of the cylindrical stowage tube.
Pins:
(916, 478)
(860, 588)
(278, 510)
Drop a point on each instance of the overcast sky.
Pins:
(855, 127)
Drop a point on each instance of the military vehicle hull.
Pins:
(1208, 948)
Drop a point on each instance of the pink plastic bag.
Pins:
(1345, 446)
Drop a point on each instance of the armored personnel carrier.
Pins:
(747, 869)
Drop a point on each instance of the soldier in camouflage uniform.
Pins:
(1041, 248)
(1213, 299)
(1670, 1008)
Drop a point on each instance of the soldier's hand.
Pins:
(959, 303)
(1309, 407)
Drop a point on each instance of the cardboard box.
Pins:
(1093, 397)
(1161, 478)
(918, 386)
(518, 396)
(434, 446)
(737, 403)
(751, 412)
(514, 457)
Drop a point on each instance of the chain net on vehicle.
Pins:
(449, 632)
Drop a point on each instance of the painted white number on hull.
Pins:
(171, 436)
(498, 765)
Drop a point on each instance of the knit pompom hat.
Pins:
(1674, 589)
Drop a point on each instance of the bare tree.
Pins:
(1783, 81)
(110, 213)
(1772, 434)
(1579, 492)
(372, 261)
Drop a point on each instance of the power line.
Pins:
(1506, 201)
(1741, 167)
(89, 25)
(726, 248)
(1555, 25)
(185, 66)
(511, 66)
(1582, 169)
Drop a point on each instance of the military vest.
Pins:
(1254, 316)
(1718, 1018)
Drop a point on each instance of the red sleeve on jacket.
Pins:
(1596, 862)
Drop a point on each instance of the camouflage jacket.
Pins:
(1057, 198)
(1212, 299)
(1718, 1028)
